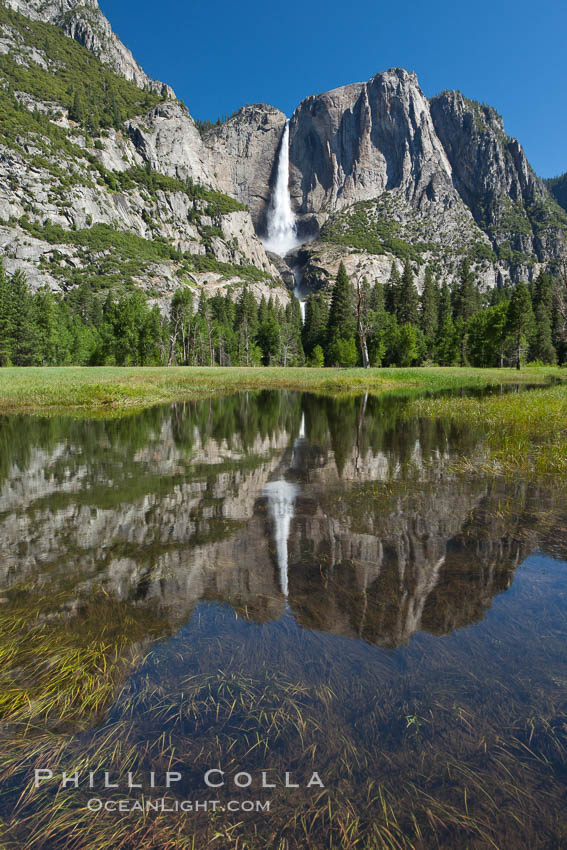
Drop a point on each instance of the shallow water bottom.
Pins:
(278, 621)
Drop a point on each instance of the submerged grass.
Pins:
(459, 776)
(525, 431)
(415, 755)
(61, 658)
(113, 388)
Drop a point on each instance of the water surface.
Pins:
(281, 583)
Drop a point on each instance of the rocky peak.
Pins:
(50, 10)
(83, 21)
(495, 180)
(482, 156)
(355, 142)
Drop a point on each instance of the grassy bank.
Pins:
(525, 432)
(113, 388)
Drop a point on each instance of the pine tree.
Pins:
(246, 326)
(466, 303)
(342, 324)
(542, 345)
(445, 306)
(466, 293)
(520, 319)
(377, 298)
(269, 338)
(47, 317)
(497, 331)
(408, 308)
(314, 331)
(263, 309)
(430, 310)
(6, 324)
(543, 290)
(24, 328)
(378, 319)
(204, 332)
(543, 302)
(392, 291)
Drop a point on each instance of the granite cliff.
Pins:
(378, 174)
(103, 173)
(83, 21)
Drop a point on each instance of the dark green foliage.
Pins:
(119, 327)
(447, 342)
(429, 311)
(558, 188)
(408, 306)
(520, 320)
(6, 319)
(360, 227)
(95, 97)
(24, 330)
(496, 334)
(481, 251)
(392, 291)
(466, 295)
(316, 321)
(46, 330)
(342, 323)
(542, 347)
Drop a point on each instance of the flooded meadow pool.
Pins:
(278, 620)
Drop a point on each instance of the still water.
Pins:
(299, 600)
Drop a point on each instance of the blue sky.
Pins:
(221, 55)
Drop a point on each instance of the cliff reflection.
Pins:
(344, 512)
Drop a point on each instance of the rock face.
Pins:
(61, 182)
(494, 178)
(243, 153)
(442, 173)
(83, 21)
(356, 142)
(169, 141)
(377, 172)
(424, 554)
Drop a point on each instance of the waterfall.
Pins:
(298, 279)
(281, 237)
(281, 504)
(282, 233)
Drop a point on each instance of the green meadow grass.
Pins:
(525, 432)
(114, 388)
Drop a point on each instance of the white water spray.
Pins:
(282, 232)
